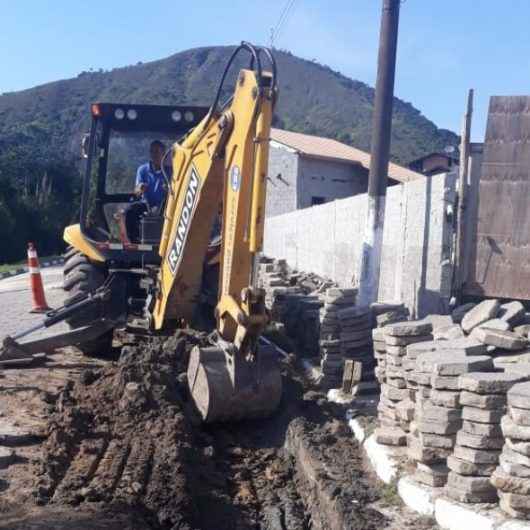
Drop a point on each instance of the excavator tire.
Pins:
(81, 276)
(224, 388)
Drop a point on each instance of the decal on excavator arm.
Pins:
(188, 207)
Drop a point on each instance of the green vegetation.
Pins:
(41, 128)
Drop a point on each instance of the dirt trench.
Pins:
(124, 452)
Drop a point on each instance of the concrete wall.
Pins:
(417, 245)
(282, 180)
(328, 179)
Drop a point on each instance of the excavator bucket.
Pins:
(226, 387)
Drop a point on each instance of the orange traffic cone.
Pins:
(35, 279)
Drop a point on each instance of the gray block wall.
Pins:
(416, 263)
(282, 181)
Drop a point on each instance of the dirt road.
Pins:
(102, 444)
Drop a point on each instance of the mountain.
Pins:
(41, 128)
(313, 99)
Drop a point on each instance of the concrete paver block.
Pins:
(491, 382)
(482, 415)
(482, 312)
(512, 312)
(512, 430)
(477, 441)
(506, 340)
(482, 429)
(460, 311)
(482, 401)
(519, 395)
(476, 456)
(405, 329)
(463, 467)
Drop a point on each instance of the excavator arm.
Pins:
(224, 161)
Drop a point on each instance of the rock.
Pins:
(463, 467)
(390, 436)
(469, 484)
(482, 312)
(506, 340)
(404, 341)
(482, 401)
(444, 382)
(519, 396)
(515, 458)
(432, 413)
(436, 441)
(508, 484)
(472, 498)
(460, 311)
(452, 364)
(519, 416)
(442, 427)
(513, 313)
(476, 456)
(518, 446)
(397, 351)
(451, 332)
(522, 330)
(505, 506)
(482, 429)
(494, 323)
(419, 453)
(512, 430)
(478, 442)
(519, 503)
(512, 469)
(490, 382)
(434, 476)
(410, 328)
(445, 398)
(482, 415)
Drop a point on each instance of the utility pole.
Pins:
(380, 152)
(463, 186)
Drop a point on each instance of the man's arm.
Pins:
(141, 181)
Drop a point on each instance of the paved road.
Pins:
(15, 300)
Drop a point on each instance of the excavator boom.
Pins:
(224, 161)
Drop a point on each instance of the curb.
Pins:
(22, 270)
(424, 500)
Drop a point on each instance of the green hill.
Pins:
(41, 127)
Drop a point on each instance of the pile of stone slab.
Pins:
(437, 413)
(336, 300)
(512, 476)
(356, 339)
(479, 441)
(384, 314)
(396, 405)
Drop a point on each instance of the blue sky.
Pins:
(444, 47)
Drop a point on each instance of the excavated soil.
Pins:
(124, 452)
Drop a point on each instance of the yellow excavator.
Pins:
(161, 269)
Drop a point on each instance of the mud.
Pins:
(124, 451)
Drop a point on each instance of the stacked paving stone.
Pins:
(437, 413)
(396, 405)
(480, 439)
(331, 352)
(384, 314)
(356, 339)
(512, 477)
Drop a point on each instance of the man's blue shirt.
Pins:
(155, 192)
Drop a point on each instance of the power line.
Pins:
(284, 16)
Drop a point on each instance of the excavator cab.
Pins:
(116, 146)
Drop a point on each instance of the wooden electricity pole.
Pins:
(380, 153)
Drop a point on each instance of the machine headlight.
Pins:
(132, 114)
(176, 115)
(119, 114)
(188, 116)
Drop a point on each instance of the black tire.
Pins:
(80, 276)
